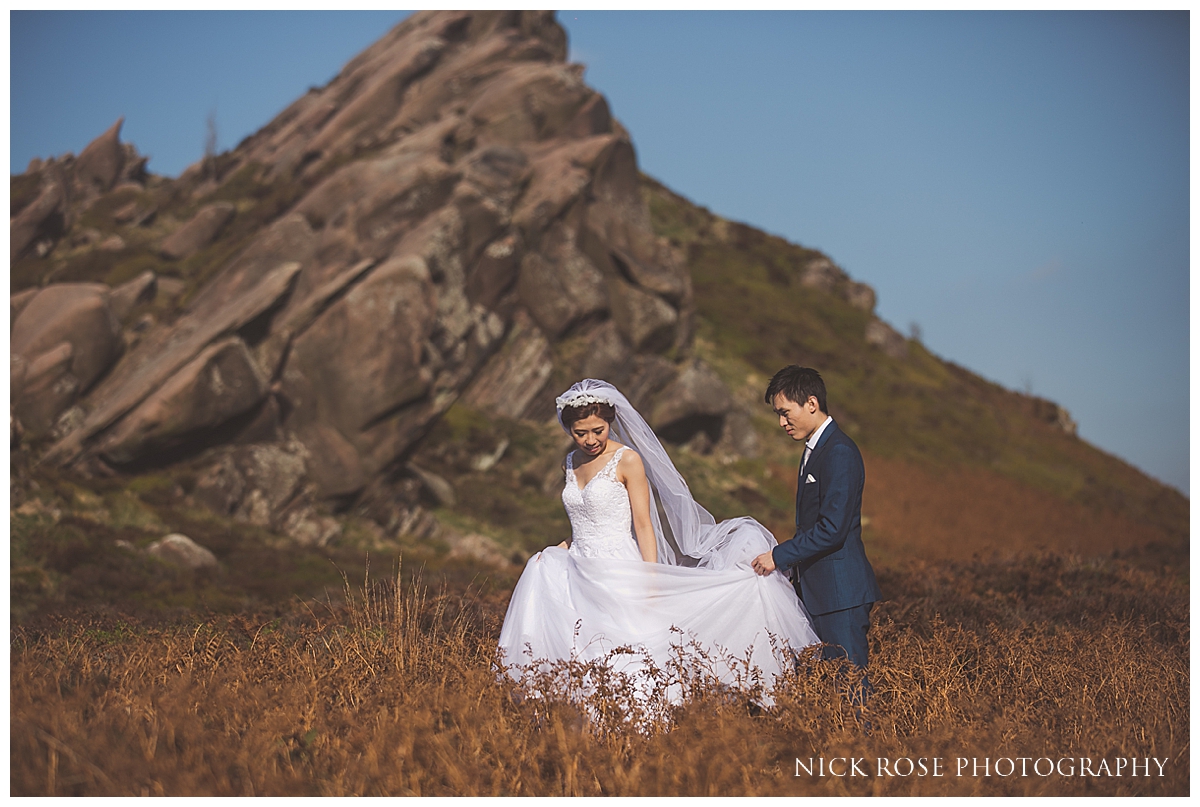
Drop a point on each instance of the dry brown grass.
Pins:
(394, 693)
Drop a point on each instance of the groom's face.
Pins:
(799, 420)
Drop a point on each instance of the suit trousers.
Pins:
(847, 631)
(845, 636)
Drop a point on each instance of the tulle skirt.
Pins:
(647, 620)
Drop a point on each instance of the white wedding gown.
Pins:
(582, 603)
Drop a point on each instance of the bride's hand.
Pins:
(563, 545)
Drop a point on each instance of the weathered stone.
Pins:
(608, 355)
(288, 240)
(511, 379)
(696, 400)
(381, 94)
(71, 312)
(42, 218)
(158, 360)
(645, 319)
(200, 231)
(304, 526)
(501, 172)
(650, 375)
(99, 164)
(182, 551)
(884, 337)
(820, 273)
(218, 385)
(43, 388)
(384, 322)
(615, 243)
(441, 490)
(861, 296)
(529, 102)
(299, 314)
(495, 271)
(738, 437)
(339, 470)
(255, 483)
(127, 296)
(17, 304)
(398, 198)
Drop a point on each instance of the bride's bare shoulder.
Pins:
(630, 461)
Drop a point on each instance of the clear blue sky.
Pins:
(1016, 183)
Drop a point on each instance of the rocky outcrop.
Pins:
(460, 204)
(179, 550)
(886, 338)
(68, 336)
(99, 165)
(199, 231)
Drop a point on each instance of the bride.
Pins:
(648, 575)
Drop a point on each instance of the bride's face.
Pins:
(590, 434)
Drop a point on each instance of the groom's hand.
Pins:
(764, 564)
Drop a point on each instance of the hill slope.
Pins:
(444, 445)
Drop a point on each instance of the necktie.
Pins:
(804, 462)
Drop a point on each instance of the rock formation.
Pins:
(439, 218)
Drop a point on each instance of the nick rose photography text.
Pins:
(980, 766)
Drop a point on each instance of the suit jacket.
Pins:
(829, 566)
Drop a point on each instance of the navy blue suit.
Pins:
(829, 567)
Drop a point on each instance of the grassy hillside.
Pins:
(986, 457)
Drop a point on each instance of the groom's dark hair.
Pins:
(797, 384)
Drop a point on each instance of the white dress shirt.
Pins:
(811, 442)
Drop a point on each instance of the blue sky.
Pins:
(1014, 183)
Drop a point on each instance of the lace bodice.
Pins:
(601, 520)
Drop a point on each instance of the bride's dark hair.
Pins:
(605, 411)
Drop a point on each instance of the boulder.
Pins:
(200, 231)
(17, 304)
(528, 103)
(643, 318)
(561, 288)
(696, 400)
(179, 550)
(616, 243)
(820, 273)
(398, 194)
(495, 271)
(441, 490)
(156, 360)
(649, 375)
(127, 296)
(43, 388)
(608, 355)
(383, 322)
(886, 338)
(218, 385)
(70, 312)
(254, 483)
(501, 172)
(861, 296)
(99, 164)
(339, 472)
(42, 218)
(513, 377)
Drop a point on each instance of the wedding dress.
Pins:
(598, 600)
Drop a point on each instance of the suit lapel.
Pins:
(808, 468)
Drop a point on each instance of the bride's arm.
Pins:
(566, 544)
(632, 474)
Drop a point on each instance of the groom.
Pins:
(828, 566)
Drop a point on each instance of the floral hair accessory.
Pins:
(577, 398)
